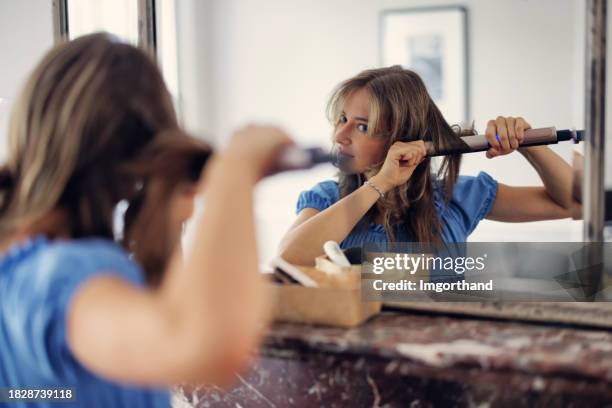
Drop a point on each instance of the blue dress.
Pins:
(471, 201)
(38, 279)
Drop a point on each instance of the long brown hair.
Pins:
(402, 110)
(90, 112)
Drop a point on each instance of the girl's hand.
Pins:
(258, 147)
(402, 158)
(505, 134)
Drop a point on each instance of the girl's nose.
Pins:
(343, 134)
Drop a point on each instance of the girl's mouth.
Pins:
(343, 161)
(341, 151)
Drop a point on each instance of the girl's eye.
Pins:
(362, 127)
(342, 119)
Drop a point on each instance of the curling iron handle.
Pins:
(297, 158)
(478, 143)
(532, 137)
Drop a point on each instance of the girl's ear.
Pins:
(187, 190)
(182, 204)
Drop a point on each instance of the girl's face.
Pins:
(357, 151)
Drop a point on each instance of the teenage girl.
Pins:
(114, 324)
(386, 190)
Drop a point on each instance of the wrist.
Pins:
(529, 150)
(235, 165)
(381, 184)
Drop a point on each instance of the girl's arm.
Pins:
(518, 204)
(305, 239)
(523, 204)
(312, 228)
(207, 317)
(555, 172)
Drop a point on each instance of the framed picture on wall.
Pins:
(433, 43)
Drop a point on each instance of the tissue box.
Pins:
(336, 302)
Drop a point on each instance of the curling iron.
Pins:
(294, 158)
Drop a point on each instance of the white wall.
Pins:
(26, 33)
(282, 60)
(195, 71)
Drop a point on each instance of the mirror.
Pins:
(228, 63)
(279, 64)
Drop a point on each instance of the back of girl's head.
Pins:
(401, 110)
(90, 108)
(90, 104)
